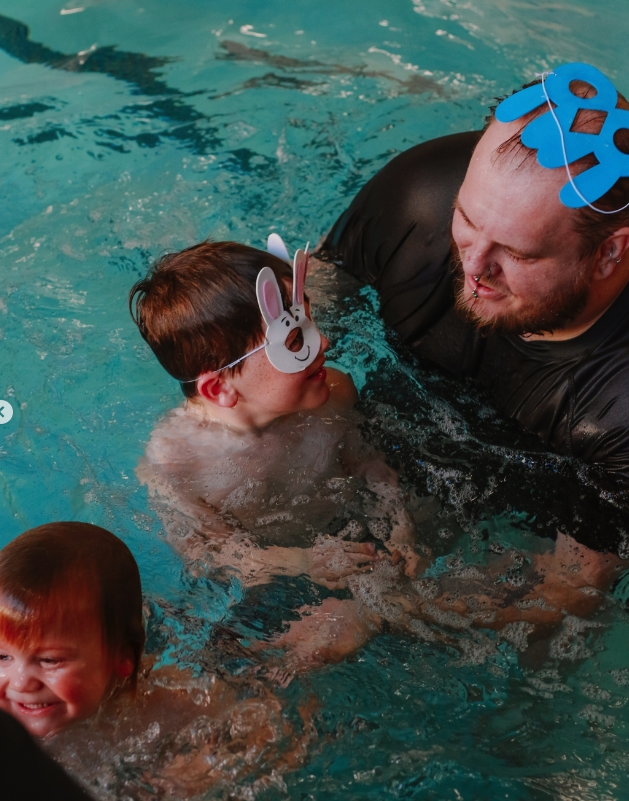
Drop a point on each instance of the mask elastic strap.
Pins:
(232, 364)
(543, 75)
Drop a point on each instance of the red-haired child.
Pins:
(70, 624)
(71, 642)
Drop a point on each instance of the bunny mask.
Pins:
(280, 322)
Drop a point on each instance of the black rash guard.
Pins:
(396, 235)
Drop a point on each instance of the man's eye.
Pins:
(295, 340)
(48, 661)
(4, 657)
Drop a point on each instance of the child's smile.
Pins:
(57, 681)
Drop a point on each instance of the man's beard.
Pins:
(544, 316)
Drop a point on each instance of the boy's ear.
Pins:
(216, 389)
(123, 663)
(124, 667)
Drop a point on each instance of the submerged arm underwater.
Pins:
(209, 539)
(567, 582)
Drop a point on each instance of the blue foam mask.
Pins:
(558, 146)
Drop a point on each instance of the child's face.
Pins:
(57, 681)
(267, 391)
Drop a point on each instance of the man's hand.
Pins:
(330, 561)
(414, 563)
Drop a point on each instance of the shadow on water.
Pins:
(143, 74)
(22, 111)
(133, 68)
(413, 85)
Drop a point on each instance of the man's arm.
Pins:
(570, 580)
(396, 233)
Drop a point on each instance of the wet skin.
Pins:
(513, 233)
(63, 678)
(259, 393)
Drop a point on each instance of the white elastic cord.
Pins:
(543, 75)
(227, 366)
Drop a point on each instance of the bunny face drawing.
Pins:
(293, 341)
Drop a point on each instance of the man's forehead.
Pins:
(499, 149)
(511, 199)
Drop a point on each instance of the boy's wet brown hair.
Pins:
(198, 311)
(54, 575)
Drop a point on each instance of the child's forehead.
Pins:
(58, 641)
(63, 617)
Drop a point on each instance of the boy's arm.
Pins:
(382, 480)
(209, 539)
(342, 389)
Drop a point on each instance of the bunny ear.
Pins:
(268, 294)
(300, 268)
(276, 247)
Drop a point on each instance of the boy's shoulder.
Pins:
(184, 433)
(342, 389)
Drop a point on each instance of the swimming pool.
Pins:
(231, 124)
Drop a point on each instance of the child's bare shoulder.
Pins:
(185, 433)
(342, 389)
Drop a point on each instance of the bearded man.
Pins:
(484, 270)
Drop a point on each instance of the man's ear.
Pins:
(216, 389)
(611, 254)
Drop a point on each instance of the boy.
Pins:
(263, 462)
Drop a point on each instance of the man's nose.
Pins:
(325, 343)
(475, 258)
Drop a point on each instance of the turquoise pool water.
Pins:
(131, 127)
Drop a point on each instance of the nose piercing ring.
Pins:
(478, 277)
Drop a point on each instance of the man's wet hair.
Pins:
(54, 575)
(198, 310)
(593, 227)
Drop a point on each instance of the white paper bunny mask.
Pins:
(280, 322)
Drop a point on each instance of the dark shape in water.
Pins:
(47, 135)
(414, 85)
(142, 73)
(135, 69)
(21, 111)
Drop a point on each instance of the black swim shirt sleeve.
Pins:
(600, 423)
(396, 235)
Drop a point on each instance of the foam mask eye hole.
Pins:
(295, 340)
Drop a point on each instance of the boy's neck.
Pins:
(239, 417)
